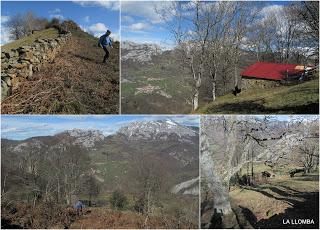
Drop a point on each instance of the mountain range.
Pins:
(172, 145)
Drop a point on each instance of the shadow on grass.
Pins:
(85, 58)
(304, 206)
(6, 224)
(308, 209)
(307, 178)
(255, 106)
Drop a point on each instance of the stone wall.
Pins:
(18, 65)
(254, 83)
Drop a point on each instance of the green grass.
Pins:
(26, 41)
(297, 99)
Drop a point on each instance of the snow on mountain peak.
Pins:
(160, 129)
(85, 138)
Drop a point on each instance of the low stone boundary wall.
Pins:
(247, 83)
(19, 64)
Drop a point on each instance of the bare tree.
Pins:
(90, 187)
(16, 25)
(22, 25)
(149, 181)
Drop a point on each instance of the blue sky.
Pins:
(140, 23)
(93, 16)
(24, 126)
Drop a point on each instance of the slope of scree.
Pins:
(75, 82)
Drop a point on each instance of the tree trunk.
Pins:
(213, 76)
(195, 99)
(213, 90)
(235, 76)
(221, 203)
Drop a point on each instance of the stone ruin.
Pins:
(18, 65)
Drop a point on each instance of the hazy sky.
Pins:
(21, 127)
(95, 17)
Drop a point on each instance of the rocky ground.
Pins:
(76, 82)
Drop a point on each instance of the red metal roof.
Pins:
(271, 71)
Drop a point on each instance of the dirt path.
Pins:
(76, 82)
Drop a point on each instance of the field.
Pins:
(76, 82)
(297, 99)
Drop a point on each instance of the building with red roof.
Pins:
(272, 71)
(268, 75)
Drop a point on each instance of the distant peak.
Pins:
(80, 132)
(171, 122)
(156, 129)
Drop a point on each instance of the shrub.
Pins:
(118, 200)
(139, 205)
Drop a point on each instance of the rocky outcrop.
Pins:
(84, 138)
(139, 52)
(157, 130)
(190, 187)
(18, 65)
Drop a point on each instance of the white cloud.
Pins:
(83, 28)
(4, 18)
(5, 31)
(58, 16)
(86, 18)
(111, 5)
(99, 29)
(55, 11)
(127, 18)
(143, 9)
(271, 9)
(139, 26)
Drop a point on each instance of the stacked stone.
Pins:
(247, 83)
(18, 65)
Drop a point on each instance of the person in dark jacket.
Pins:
(105, 41)
(79, 206)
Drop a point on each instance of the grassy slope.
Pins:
(76, 82)
(281, 198)
(48, 33)
(301, 99)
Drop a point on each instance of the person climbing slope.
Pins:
(79, 206)
(105, 41)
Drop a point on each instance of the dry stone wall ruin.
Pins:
(18, 65)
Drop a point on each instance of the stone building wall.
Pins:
(254, 83)
(18, 65)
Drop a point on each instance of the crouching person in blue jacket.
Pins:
(79, 206)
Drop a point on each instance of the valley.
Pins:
(153, 80)
(133, 175)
